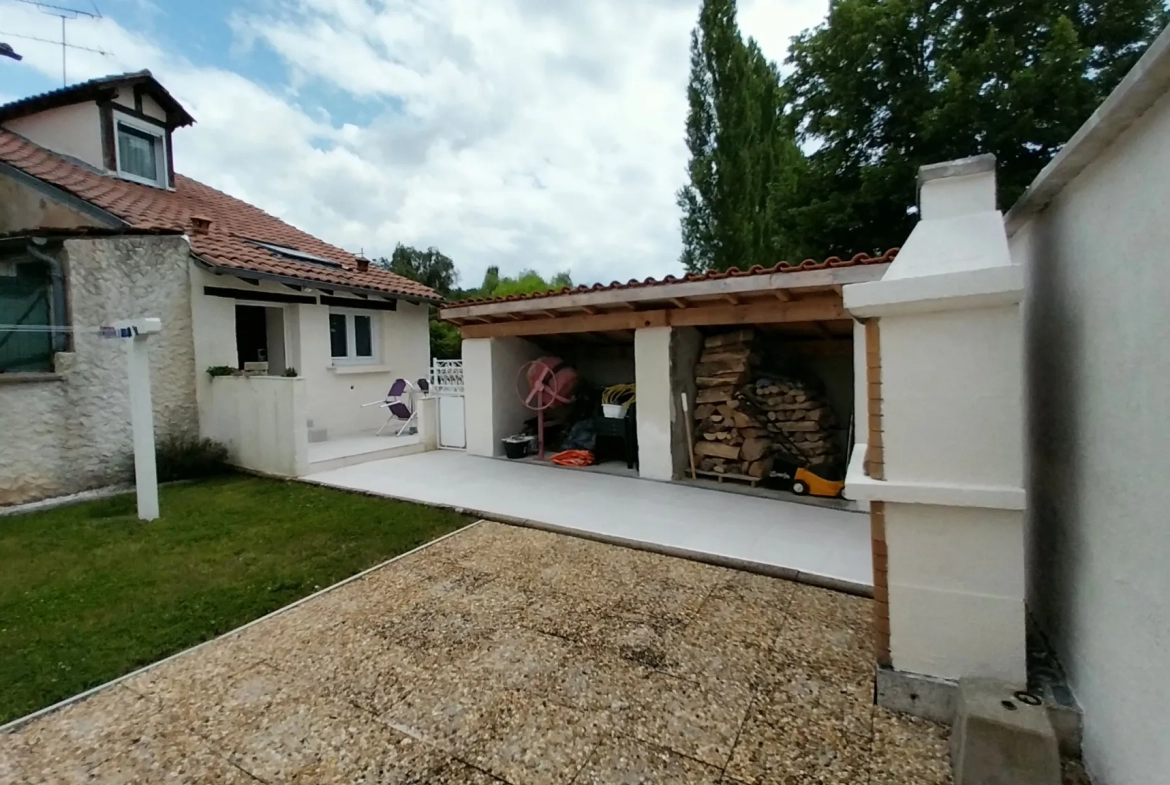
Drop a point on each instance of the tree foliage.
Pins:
(877, 90)
(429, 267)
(525, 282)
(432, 268)
(742, 148)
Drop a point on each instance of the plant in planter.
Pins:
(290, 372)
(222, 370)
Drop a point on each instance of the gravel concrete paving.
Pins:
(504, 654)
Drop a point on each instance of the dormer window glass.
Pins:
(141, 151)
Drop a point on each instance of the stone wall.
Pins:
(71, 432)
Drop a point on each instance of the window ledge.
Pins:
(30, 378)
(346, 370)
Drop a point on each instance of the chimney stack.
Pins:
(200, 224)
(363, 264)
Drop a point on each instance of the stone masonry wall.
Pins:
(72, 433)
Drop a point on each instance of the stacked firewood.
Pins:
(745, 420)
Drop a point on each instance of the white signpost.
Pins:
(134, 333)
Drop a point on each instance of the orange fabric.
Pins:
(573, 458)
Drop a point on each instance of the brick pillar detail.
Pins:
(881, 586)
(874, 455)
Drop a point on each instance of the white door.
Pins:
(452, 433)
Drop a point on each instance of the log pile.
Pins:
(745, 419)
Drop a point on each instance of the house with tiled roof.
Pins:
(96, 225)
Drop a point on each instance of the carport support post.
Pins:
(941, 456)
(655, 402)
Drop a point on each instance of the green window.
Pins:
(26, 342)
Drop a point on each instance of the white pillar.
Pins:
(133, 333)
(655, 407)
(428, 422)
(945, 413)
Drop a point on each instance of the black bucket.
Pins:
(515, 449)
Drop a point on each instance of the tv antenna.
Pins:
(66, 14)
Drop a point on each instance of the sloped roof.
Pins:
(235, 225)
(711, 275)
(96, 89)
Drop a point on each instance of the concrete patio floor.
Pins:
(509, 655)
(505, 654)
(811, 544)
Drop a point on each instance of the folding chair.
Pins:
(393, 404)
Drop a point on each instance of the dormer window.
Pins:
(141, 150)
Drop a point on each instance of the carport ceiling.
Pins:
(803, 303)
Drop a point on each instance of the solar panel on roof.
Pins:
(294, 254)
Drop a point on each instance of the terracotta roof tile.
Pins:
(780, 267)
(233, 222)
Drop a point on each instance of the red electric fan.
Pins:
(545, 384)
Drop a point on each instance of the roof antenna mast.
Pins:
(65, 14)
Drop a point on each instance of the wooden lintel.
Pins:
(582, 323)
(767, 312)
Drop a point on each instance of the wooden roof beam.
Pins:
(743, 286)
(767, 312)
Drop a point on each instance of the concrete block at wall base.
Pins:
(935, 699)
(912, 693)
(1000, 740)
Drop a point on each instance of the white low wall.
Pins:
(262, 420)
(491, 368)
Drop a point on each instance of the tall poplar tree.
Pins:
(741, 147)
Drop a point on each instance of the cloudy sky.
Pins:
(524, 133)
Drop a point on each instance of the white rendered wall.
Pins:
(1099, 370)
(477, 390)
(655, 404)
(491, 368)
(64, 436)
(73, 130)
(334, 395)
(951, 455)
(262, 421)
(953, 570)
(952, 397)
(150, 108)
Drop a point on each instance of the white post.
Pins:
(134, 332)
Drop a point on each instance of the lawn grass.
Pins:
(89, 592)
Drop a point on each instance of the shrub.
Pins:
(290, 372)
(189, 458)
(222, 370)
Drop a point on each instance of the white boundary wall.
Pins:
(262, 421)
(1093, 234)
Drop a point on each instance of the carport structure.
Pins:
(799, 306)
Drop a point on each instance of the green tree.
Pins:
(428, 267)
(885, 86)
(744, 161)
(525, 282)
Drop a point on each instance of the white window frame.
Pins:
(351, 334)
(159, 133)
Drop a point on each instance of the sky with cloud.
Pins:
(543, 134)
